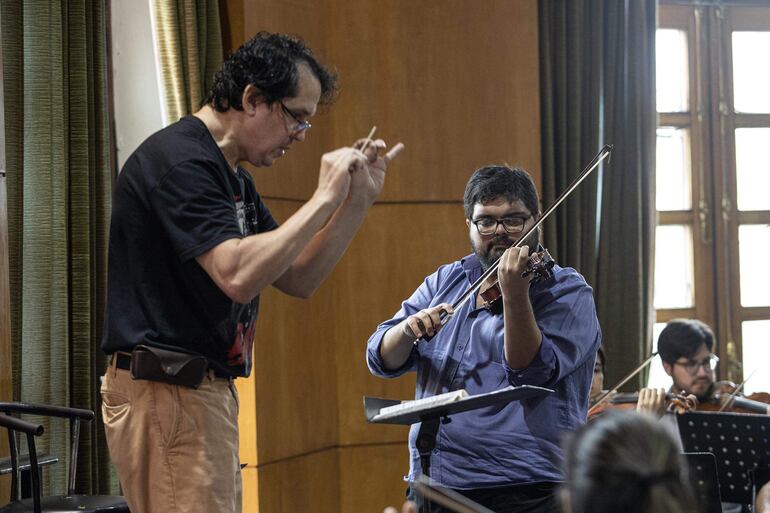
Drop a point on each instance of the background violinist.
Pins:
(650, 400)
(685, 347)
(505, 458)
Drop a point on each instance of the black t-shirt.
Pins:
(175, 199)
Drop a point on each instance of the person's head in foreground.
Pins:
(625, 462)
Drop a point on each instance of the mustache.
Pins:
(501, 240)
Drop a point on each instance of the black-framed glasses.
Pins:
(691, 366)
(300, 126)
(488, 225)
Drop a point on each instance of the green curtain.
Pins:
(570, 74)
(598, 86)
(59, 184)
(189, 36)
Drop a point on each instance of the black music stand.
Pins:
(704, 480)
(739, 441)
(431, 415)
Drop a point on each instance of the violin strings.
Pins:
(736, 391)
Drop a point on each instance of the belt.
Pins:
(122, 360)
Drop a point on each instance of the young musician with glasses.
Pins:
(505, 457)
(685, 347)
(192, 245)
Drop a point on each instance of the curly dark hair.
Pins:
(491, 182)
(269, 63)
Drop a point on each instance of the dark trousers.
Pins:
(533, 498)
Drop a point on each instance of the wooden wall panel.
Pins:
(343, 480)
(250, 483)
(456, 81)
(294, 370)
(372, 477)
(307, 484)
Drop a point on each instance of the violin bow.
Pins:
(735, 392)
(605, 152)
(606, 395)
(368, 138)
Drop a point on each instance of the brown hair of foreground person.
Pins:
(625, 461)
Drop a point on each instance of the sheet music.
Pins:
(419, 404)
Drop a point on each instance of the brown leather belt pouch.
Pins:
(154, 364)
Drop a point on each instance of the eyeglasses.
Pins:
(488, 225)
(300, 126)
(709, 364)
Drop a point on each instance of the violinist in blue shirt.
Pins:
(506, 458)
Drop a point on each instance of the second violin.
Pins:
(646, 399)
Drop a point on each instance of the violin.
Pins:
(726, 398)
(675, 403)
(539, 267)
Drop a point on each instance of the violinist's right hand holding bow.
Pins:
(398, 341)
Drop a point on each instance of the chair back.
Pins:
(69, 502)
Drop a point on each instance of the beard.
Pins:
(488, 252)
(706, 396)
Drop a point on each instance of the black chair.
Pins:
(25, 469)
(69, 503)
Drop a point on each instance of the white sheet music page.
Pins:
(419, 404)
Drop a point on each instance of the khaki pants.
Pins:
(175, 448)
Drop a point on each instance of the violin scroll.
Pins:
(680, 403)
(539, 266)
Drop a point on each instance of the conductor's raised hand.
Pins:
(367, 185)
(426, 323)
(337, 168)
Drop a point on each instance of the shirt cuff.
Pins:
(374, 358)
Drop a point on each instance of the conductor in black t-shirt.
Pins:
(192, 246)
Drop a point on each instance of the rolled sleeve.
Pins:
(426, 295)
(540, 370)
(566, 316)
(374, 358)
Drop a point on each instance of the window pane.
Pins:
(751, 74)
(756, 354)
(658, 377)
(671, 67)
(673, 267)
(754, 245)
(752, 154)
(673, 176)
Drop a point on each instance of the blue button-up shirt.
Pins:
(516, 443)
